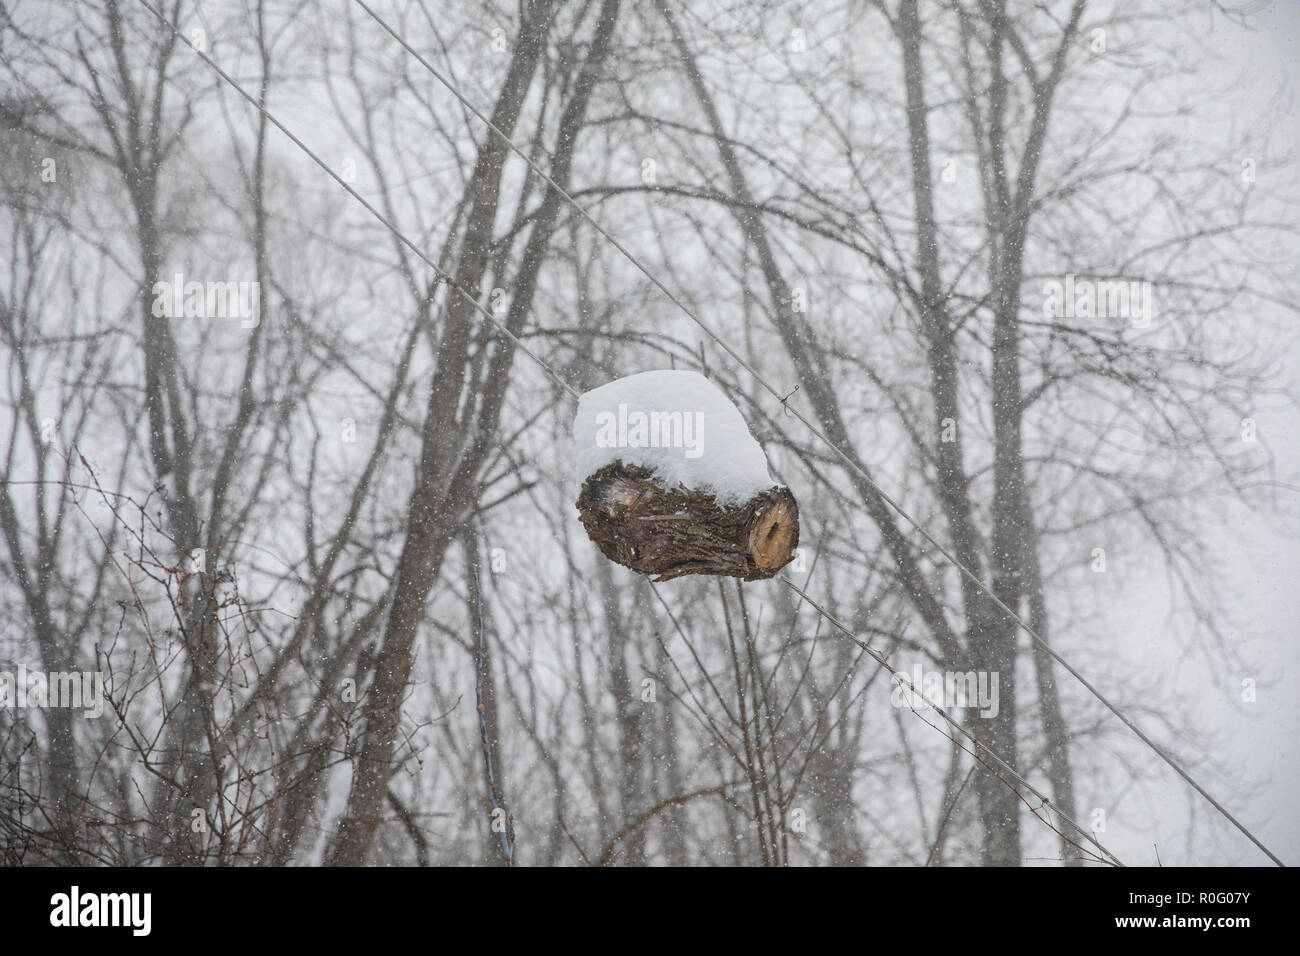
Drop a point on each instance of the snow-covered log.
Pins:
(675, 484)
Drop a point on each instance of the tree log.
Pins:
(670, 532)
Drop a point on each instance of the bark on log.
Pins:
(670, 532)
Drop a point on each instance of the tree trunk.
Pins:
(432, 512)
(457, 436)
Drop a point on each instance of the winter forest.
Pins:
(991, 304)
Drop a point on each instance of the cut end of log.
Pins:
(671, 532)
(775, 535)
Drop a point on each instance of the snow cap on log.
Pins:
(675, 484)
(677, 424)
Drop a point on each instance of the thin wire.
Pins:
(450, 280)
(848, 460)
